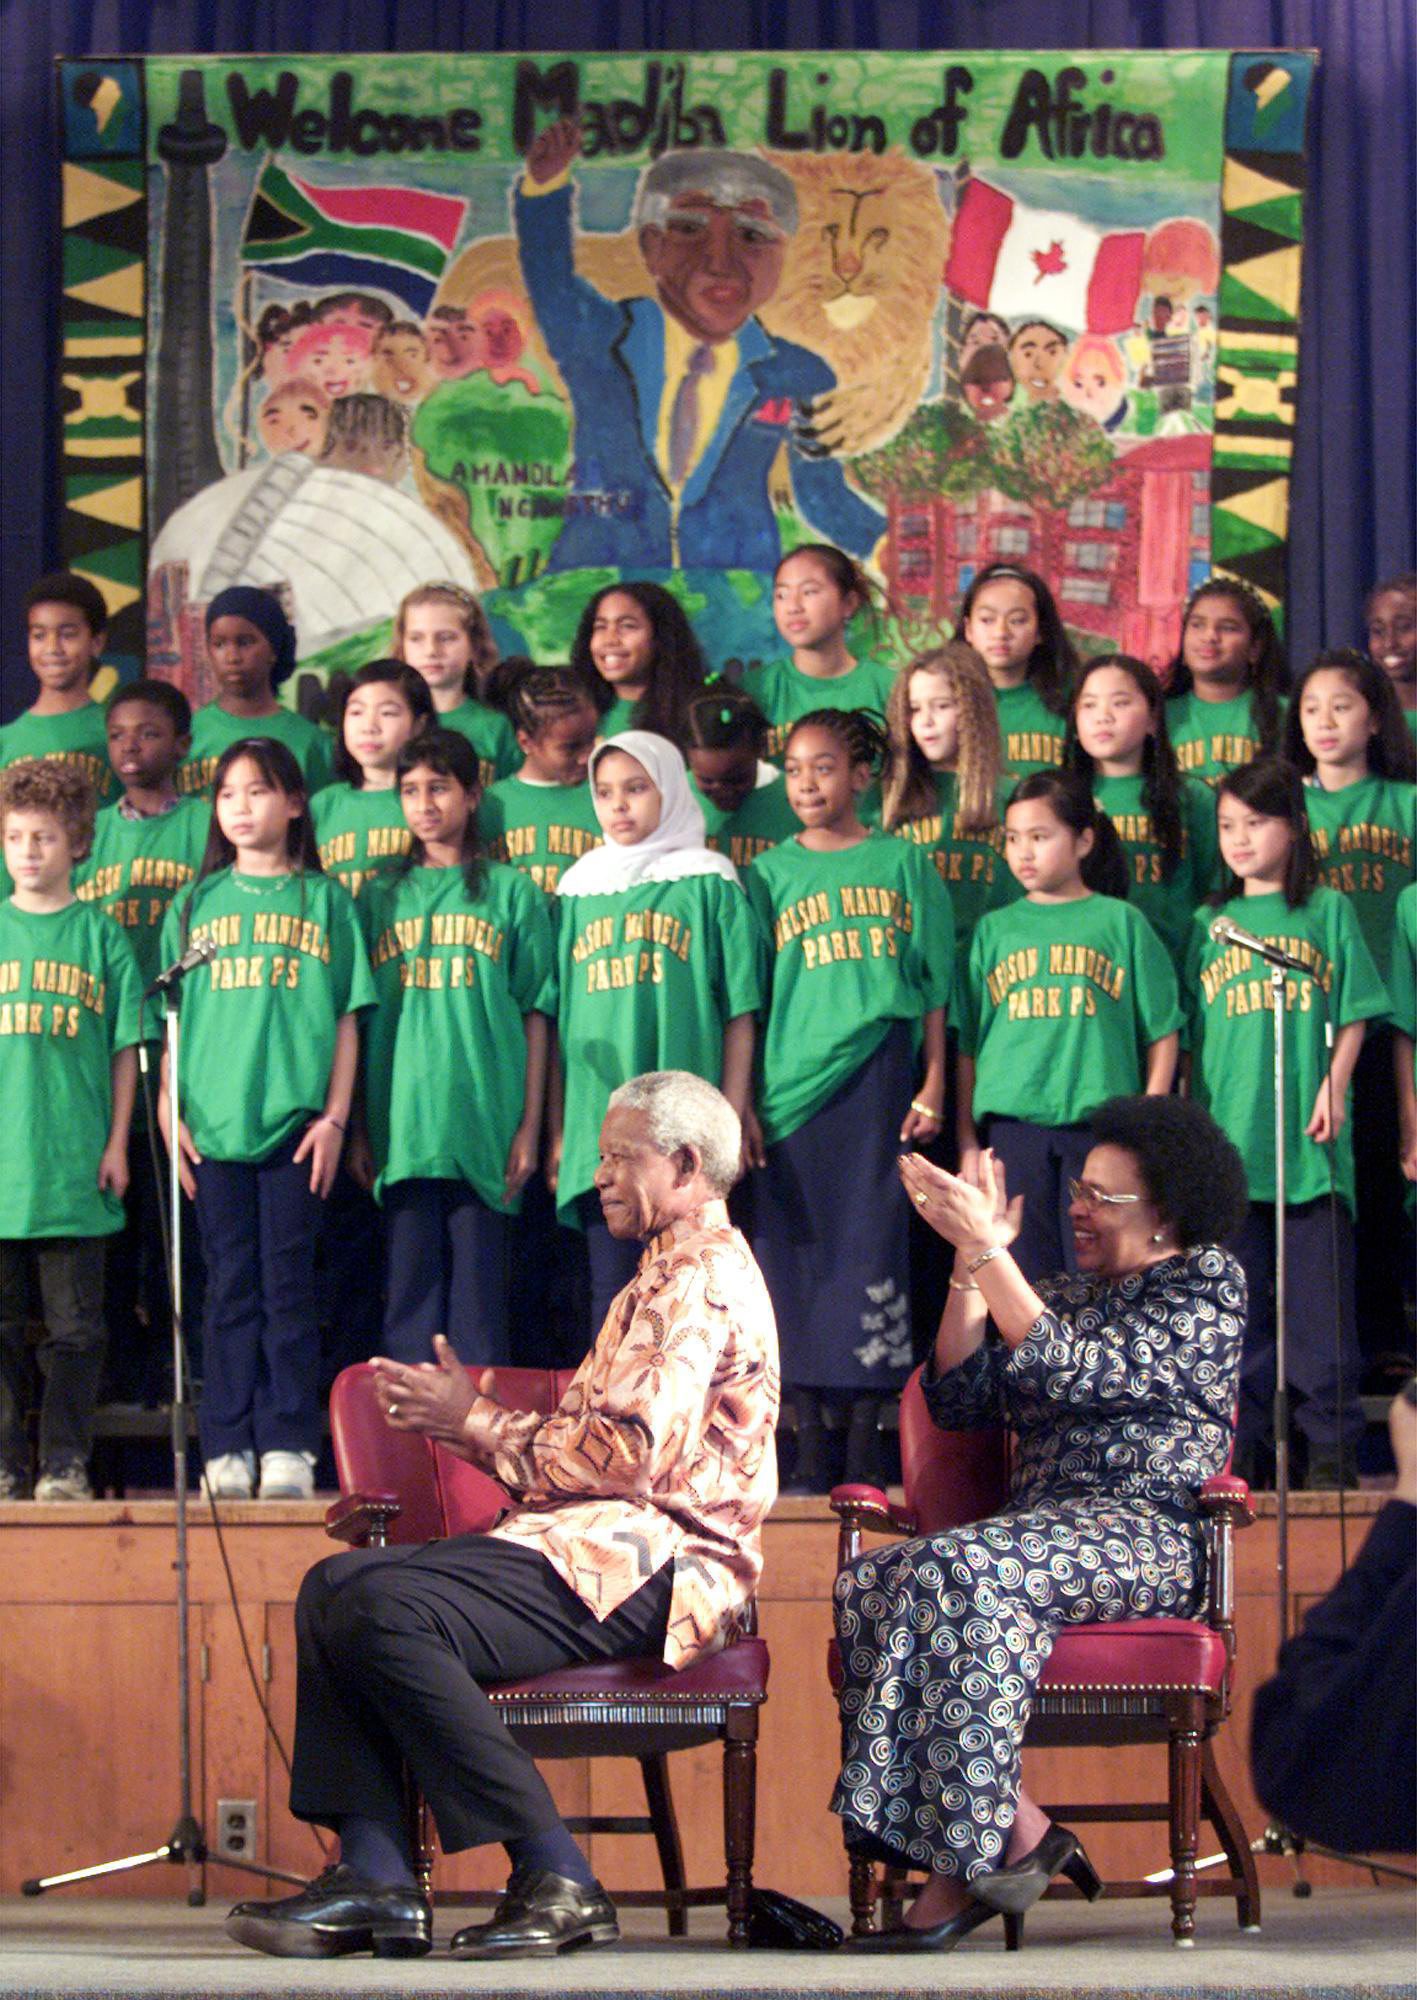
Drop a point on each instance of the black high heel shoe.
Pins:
(1018, 1887)
(939, 1937)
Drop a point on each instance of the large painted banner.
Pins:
(344, 325)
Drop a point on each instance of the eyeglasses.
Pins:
(1093, 1197)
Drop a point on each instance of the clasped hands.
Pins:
(970, 1209)
(432, 1398)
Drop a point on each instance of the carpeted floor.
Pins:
(1342, 1944)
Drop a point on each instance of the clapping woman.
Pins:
(1119, 1386)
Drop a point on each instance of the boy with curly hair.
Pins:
(69, 992)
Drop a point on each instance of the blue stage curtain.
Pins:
(1353, 500)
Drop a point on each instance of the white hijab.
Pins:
(675, 848)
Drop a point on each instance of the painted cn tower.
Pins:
(184, 449)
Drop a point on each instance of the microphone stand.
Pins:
(186, 1845)
(1281, 1309)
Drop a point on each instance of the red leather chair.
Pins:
(396, 1487)
(1143, 1680)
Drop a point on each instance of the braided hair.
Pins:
(859, 731)
(536, 697)
(723, 717)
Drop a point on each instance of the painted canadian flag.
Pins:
(1008, 258)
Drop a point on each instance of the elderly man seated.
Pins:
(636, 1531)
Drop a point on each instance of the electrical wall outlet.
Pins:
(236, 1829)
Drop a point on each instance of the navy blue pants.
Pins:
(260, 1228)
(447, 1272)
(1320, 1325)
(1039, 1161)
(613, 1261)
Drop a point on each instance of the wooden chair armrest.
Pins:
(362, 1519)
(868, 1507)
(866, 1510)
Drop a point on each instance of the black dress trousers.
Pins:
(395, 1650)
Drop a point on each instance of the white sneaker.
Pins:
(232, 1475)
(287, 1475)
(69, 1481)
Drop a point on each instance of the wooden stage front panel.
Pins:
(88, 1730)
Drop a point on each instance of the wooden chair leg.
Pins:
(893, 1884)
(1184, 1773)
(420, 1834)
(861, 1881)
(1219, 1809)
(659, 1798)
(740, 1806)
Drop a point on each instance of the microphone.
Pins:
(201, 951)
(1223, 931)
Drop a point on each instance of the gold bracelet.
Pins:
(984, 1257)
(956, 1286)
(924, 1110)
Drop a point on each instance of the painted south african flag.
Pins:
(395, 239)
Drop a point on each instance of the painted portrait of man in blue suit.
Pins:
(681, 402)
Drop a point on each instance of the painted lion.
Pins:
(861, 285)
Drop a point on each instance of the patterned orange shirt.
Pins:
(662, 1448)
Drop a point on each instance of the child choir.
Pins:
(937, 905)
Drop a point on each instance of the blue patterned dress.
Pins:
(1121, 1400)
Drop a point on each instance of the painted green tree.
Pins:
(1043, 455)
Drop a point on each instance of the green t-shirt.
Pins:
(69, 988)
(214, 731)
(1032, 733)
(859, 937)
(361, 833)
(785, 694)
(445, 1048)
(971, 865)
(646, 979)
(258, 1023)
(540, 829)
(762, 821)
(1232, 1039)
(136, 868)
(1211, 738)
(1363, 837)
(491, 736)
(1167, 903)
(1061, 1002)
(78, 738)
(619, 717)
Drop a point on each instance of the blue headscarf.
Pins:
(263, 611)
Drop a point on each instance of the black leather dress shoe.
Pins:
(937, 1937)
(1018, 1887)
(339, 1912)
(539, 1915)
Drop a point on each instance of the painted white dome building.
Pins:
(348, 547)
